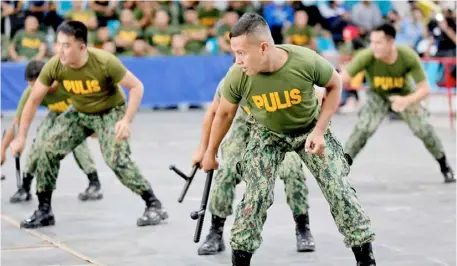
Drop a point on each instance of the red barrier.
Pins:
(448, 82)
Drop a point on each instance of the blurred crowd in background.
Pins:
(155, 28)
(149, 28)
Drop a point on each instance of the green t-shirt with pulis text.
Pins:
(193, 46)
(93, 87)
(161, 38)
(389, 79)
(55, 102)
(300, 36)
(28, 44)
(285, 100)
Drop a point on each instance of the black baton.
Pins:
(3, 136)
(200, 214)
(18, 165)
(188, 179)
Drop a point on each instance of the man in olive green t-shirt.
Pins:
(226, 179)
(277, 84)
(391, 72)
(92, 78)
(57, 102)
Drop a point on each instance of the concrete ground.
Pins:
(398, 183)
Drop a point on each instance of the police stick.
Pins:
(3, 136)
(200, 214)
(188, 179)
(18, 164)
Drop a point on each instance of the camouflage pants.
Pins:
(375, 110)
(233, 147)
(264, 152)
(70, 130)
(81, 153)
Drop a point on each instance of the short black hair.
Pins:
(247, 24)
(74, 28)
(33, 70)
(388, 29)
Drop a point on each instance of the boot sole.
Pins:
(163, 216)
(21, 200)
(307, 249)
(209, 253)
(33, 226)
(447, 181)
(83, 197)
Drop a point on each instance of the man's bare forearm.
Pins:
(135, 96)
(219, 129)
(27, 116)
(329, 107)
(9, 136)
(421, 93)
(206, 129)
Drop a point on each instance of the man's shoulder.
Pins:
(101, 56)
(301, 58)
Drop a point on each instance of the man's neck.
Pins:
(277, 58)
(391, 57)
(82, 61)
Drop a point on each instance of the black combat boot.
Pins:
(23, 194)
(93, 191)
(305, 240)
(364, 255)
(43, 216)
(241, 258)
(214, 242)
(154, 213)
(446, 170)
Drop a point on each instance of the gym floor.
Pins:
(412, 210)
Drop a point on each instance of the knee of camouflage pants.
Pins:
(261, 161)
(291, 173)
(223, 192)
(331, 173)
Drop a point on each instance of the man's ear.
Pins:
(264, 47)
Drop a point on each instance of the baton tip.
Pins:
(194, 215)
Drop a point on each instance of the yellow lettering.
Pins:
(67, 85)
(399, 82)
(258, 101)
(161, 39)
(78, 87)
(58, 107)
(389, 83)
(295, 96)
(95, 85)
(128, 35)
(377, 82)
(268, 107)
(278, 101)
(286, 94)
(299, 39)
(31, 43)
(84, 90)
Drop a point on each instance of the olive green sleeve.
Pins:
(116, 70)
(415, 70)
(323, 71)
(231, 88)
(359, 62)
(49, 72)
(25, 95)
